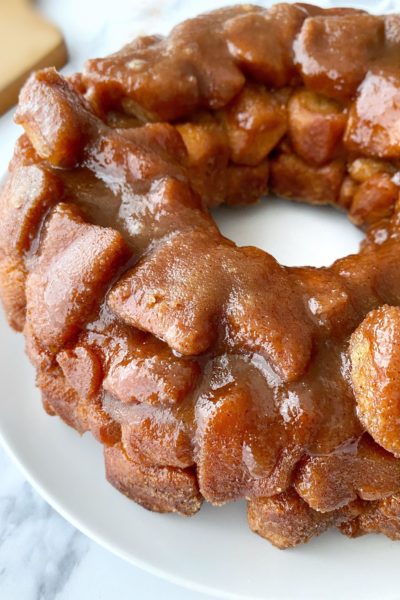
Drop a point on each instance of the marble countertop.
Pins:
(42, 557)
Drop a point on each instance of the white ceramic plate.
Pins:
(213, 551)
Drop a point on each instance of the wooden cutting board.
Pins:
(27, 42)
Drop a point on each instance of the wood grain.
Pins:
(27, 42)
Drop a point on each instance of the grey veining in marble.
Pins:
(42, 557)
(38, 550)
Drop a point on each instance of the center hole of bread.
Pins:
(295, 234)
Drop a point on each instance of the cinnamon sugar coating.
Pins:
(210, 371)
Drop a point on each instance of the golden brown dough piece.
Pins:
(162, 489)
(286, 520)
(375, 361)
(209, 371)
(364, 471)
(375, 517)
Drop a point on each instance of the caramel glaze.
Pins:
(207, 370)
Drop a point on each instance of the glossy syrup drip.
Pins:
(207, 367)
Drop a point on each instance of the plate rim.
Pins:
(144, 565)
